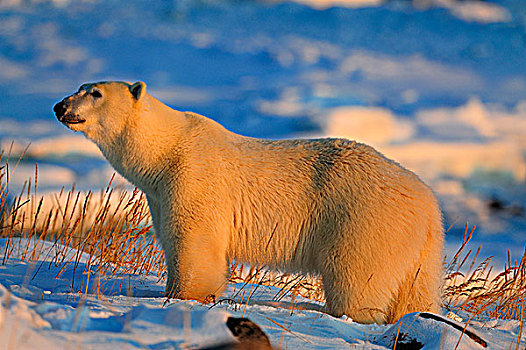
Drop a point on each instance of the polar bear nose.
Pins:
(60, 108)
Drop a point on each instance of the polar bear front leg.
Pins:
(194, 248)
(200, 267)
(195, 252)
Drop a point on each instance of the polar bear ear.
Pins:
(138, 90)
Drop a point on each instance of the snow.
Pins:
(51, 175)
(58, 146)
(468, 10)
(39, 310)
(438, 85)
(479, 11)
(324, 4)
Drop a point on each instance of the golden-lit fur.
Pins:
(332, 207)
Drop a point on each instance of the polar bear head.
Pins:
(103, 110)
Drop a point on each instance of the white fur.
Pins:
(339, 209)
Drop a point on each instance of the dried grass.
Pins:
(112, 228)
(287, 285)
(478, 292)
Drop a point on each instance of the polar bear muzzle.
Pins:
(64, 115)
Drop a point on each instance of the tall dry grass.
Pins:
(472, 285)
(111, 228)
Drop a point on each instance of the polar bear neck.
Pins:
(145, 143)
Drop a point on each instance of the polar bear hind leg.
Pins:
(357, 287)
(372, 290)
(420, 290)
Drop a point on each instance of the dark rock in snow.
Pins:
(249, 334)
(417, 330)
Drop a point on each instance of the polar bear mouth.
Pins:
(71, 119)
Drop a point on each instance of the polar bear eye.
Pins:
(96, 94)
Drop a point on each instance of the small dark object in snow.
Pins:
(418, 330)
(404, 342)
(247, 331)
(249, 334)
(458, 327)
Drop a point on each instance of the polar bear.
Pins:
(332, 207)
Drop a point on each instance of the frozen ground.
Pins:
(438, 85)
(40, 311)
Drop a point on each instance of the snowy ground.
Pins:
(40, 311)
(438, 85)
